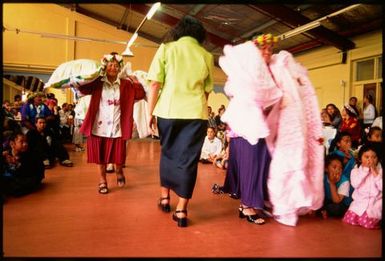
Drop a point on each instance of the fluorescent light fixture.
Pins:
(128, 52)
(149, 15)
(299, 30)
(153, 10)
(315, 23)
(132, 39)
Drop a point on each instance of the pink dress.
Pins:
(366, 207)
(295, 182)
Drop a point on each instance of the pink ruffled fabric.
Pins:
(295, 182)
(292, 129)
(250, 88)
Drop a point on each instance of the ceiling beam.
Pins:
(196, 9)
(294, 19)
(123, 27)
(172, 21)
(304, 46)
(365, 28)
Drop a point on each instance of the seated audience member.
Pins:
(342, 146)
(211, 148)
(325, 117)
(211, 118)
(221, 126)
(22, 171)
(335, 115)
(366, 178)
(32, 109)
(221, 161)
(66, 122)
(53, 121)
(6, 110)
(336, 201)
(17, 102)
(353, 103)
(374, 138)
(351, 125)
(46, 146)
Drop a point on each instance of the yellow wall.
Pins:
(327, 71)
(32, 53)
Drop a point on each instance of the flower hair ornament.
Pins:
(265, 39)
(109, 58)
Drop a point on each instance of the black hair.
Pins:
(40, 118)
(14, 135)
(370, 98)
(189, 26)
(210, 127)
(336, 110)
(372, 130)
(364, 148)
(330, 157)
(337, 139)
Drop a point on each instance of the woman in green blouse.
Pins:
(181, 80)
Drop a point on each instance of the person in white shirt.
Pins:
(108, 122)
(369, 112)
(211, 148)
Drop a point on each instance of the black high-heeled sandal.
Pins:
(165, 207)
(182, 222)
(121, 181)
(255, 218)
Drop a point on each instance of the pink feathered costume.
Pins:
(292, 129)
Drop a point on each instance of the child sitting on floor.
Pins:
(342, 144)
(366, 178)
(222, 159)
(22, 171)
(336, 187)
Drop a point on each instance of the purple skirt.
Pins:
(102, 150)
(246, 176)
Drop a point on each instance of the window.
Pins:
(365, 70)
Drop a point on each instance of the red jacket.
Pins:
(129, 92)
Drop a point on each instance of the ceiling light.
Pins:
(153, 10)
(299, 30)
(149, 15)
(315, 23)
(128, 52)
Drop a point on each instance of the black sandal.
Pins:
(182, 222)
(165, 207)
(121, 181)
(103, 189)
(255, 218)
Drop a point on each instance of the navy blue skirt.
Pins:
(248, 168)
(181, 142)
